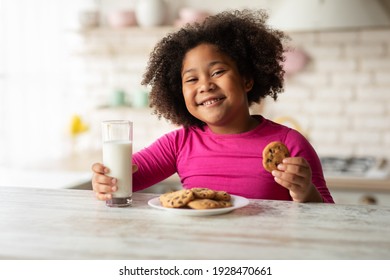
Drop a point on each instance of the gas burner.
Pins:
(351, 166)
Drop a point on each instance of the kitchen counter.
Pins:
(54, 179)
(356, 183)
(355, 190)
(72, 224)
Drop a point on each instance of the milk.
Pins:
(117, 156)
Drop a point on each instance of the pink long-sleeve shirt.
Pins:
(229, 162)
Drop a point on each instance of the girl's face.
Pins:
(214, 91)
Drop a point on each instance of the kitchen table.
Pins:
(71, 224)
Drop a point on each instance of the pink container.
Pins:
(189, 15)
(120, 19)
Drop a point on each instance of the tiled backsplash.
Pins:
(340, 100)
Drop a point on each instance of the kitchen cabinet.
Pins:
(360, 197)
(360, 190)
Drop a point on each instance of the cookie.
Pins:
(273, 154)
(224, 204)
(203, 204)
(177, 199)
(196, 198)
(222, 195)
(203, 193)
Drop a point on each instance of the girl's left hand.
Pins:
(295, 175)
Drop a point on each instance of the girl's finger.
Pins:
(102, 179)
(99, 168)
(299, 170)
(103, 196)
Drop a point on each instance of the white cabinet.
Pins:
(341, 196)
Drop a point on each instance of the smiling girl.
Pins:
(204, 78)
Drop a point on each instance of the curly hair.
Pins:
(242, 35)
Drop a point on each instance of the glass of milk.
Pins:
(117, 157)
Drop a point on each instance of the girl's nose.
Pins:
(207, 86)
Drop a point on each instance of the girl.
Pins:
(204, 78)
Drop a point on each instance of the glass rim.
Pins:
(117, 122)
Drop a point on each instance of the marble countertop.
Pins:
(38, 223)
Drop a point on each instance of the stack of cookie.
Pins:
(196, 198)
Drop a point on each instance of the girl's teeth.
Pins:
(209, 102)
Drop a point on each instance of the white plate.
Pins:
(238, 202)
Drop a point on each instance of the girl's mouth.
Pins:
(210, 101)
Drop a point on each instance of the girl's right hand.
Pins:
(102, 184)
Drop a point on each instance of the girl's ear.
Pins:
(248, 84)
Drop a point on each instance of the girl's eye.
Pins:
(190, 80)
(217, 73)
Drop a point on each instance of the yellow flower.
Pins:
(77, 126)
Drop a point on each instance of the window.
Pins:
(35, 95)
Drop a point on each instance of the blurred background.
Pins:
(67, 65)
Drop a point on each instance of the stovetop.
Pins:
(368, 167)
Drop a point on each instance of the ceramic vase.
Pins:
(150, 12)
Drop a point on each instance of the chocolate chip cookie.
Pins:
(273, 155)
(205, 203)
(177, 199)
(203, 193)
(222, 195)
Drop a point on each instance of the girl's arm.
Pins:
(155, 163)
